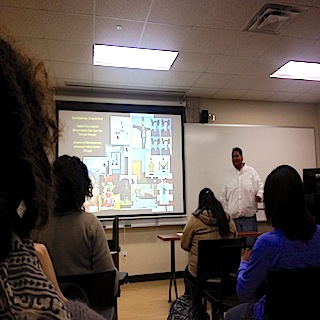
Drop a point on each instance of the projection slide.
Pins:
(135, 160)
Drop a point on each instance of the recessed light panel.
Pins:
(298, 70)
(124, 57)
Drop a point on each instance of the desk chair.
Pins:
(99, 289)
(214, 281)
(293, 294)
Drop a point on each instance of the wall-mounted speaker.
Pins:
(204, 116)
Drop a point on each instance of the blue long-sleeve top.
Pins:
(272, 250)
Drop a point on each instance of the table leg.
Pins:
(173, 272)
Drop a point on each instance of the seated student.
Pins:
(209, 221)
(26, 191)
(75, 238)
(294, 242)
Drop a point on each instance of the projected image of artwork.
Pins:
(97, 165)
(141, 132)
(133, 159)
(164, 193)
(144, 196)
(115, 160)
(120, 130)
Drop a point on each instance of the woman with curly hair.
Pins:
(75, 238)
(28, 135)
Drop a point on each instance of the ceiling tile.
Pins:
(193, 62)
(106, 32)
(180, 79)
(146, 76)
(230, 93)
(209, 41)
(117, 75)
(72, 71)
(21, 22)
(207, 80)
(67, 51)
(229, 64)
(123, 9)
(71, 6)
(164, 37)
(177, 12)
(67, 26)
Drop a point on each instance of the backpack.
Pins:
(181, 309)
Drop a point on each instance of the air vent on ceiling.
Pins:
(271, 17)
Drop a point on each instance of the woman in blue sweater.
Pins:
(294, 242)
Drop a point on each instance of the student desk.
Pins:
(174, 237)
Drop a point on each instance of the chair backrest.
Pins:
(98, 286)
(293, 294)
(114, 242)
(210, 254)
(115, 249)
(218, 259)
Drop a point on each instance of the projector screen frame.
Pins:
(126, 109)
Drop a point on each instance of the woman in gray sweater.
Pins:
(75, 239)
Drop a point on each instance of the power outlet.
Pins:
(124, 253)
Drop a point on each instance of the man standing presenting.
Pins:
(241, 191)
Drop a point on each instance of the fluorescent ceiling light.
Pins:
(298, 70)
(123, 57)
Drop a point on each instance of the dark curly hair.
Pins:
(208, 202)
(73, 184)
(27, 134)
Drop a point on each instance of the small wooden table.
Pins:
(172, 238)
(249, 233)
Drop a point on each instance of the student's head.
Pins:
(208, 202)
(237, 158)
(285, 205)
(27, 134)
(206, 198)
(73, 184)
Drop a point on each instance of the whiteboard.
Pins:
(208, 153)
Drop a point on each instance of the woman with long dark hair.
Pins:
(209, 221)
(294, 242)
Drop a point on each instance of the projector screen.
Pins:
(134, 155)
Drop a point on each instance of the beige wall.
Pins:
(145, 253)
